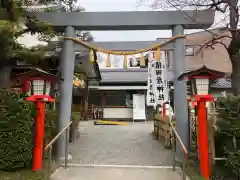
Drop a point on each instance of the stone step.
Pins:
(103, 172)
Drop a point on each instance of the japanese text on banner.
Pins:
(159, 78)
(150, 88)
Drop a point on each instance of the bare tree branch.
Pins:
(230, 11)
(214, 41)
(214, 5)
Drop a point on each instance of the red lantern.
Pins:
(200, 81)
(37, 84)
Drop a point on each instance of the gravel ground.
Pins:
(119, 145)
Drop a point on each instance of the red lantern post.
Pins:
(37, 84)
(202, 136)
(200, 80)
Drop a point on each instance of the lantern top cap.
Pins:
(203, 72)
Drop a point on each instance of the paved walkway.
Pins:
(118, 153)
(101, 173)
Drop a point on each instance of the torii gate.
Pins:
(176, 21)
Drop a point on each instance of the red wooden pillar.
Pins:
(203, 138)
(39, 135)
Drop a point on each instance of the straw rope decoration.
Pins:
(123, 53)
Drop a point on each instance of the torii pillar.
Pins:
(180, 90)
(66, 86)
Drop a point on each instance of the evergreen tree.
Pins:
(228, 134)
(16, 24)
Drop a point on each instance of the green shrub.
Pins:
(75, 107)
(228, 133)
(16, 130)
(50, 130)
(50, 125)
(16, 127)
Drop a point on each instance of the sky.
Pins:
(125, 5)
(121, 5)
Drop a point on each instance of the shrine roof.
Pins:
(127, 75)
(221, 83)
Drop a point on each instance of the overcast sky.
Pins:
(121, 5)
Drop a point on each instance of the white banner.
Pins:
(150, 92)
(159, 77)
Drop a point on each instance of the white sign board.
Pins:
(139, 107)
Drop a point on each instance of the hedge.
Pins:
(16, 130)
(16, 127)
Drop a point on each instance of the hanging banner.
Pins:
(159, 83)
(159, 77)
(150, 92)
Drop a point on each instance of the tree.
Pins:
(228, 132)
(12, 28)
(17, 23)
(230, 11)
(72, 6)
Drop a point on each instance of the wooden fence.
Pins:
(162, 130)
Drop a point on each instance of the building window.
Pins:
(190, 51)
(129, 98)
(116, 98)
(133, 62)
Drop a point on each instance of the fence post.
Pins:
(66, 150)
(174, 151)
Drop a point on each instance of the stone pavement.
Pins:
(118, 152)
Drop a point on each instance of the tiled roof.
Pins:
(127, 75)
(221, 83)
